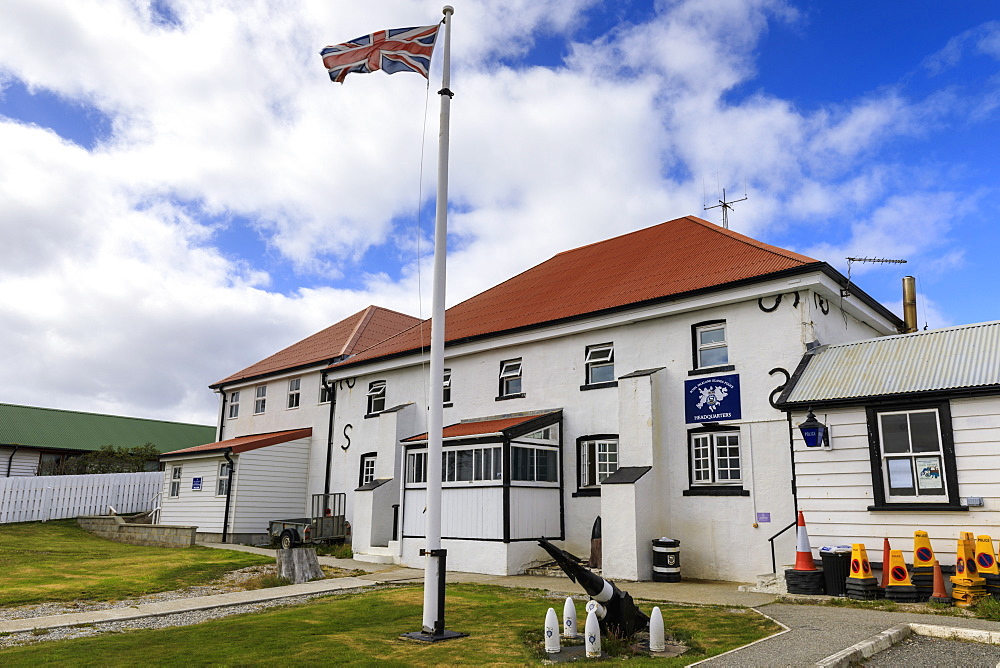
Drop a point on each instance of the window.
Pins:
(225, 468)
(510, 379)
(376, 397)
(913, 456)
(446, 392)
(715, 458)
(234, 404)
(534, 464)
(466, 465)
(600, 362)
(711, 349)
(367, 469)
(325, 392)
(598, 459)
(416, 467)
(260, 400)
(294, 390)
(175, 482)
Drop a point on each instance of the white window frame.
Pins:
(535, 450)
(600, 356)
(234, 404)
(485, 460)
(294, 393)
(324, 394)
(943, 492)
(712, 345)
(222, 482)
(175, 481)
(711, 458)
(598, 458)
(511, 371)
(367, 468)
(376, 397)
(260, 400)
(416, 467)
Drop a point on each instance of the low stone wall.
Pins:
(113, 527)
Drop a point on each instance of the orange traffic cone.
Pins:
(886, 550)
(968, 586)
(803, 553)
(940, 594)
(922, 574)
(986, 560)
(861, 584)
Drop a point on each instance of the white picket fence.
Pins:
(33, 498)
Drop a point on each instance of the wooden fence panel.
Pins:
(30, 499)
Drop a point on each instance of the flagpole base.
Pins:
(436, 636)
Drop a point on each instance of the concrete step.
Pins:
(377, 555)
(769, 583)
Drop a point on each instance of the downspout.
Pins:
(331, 390)
(791, 455)
(10, 460)
(222, 415)
(229, 494)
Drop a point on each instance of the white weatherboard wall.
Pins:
(28, 499)
(24, 461)
(835, 486)
(270, 485)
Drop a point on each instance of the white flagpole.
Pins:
(433, 622)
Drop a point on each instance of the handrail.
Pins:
(774, 564)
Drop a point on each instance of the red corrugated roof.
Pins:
(673, 258)
(361, 330)
(244, 443)
(480, 427)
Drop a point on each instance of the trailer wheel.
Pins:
(287, 540)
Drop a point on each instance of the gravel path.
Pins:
(230, 582)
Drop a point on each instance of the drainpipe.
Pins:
(229, 494)
(910, 303)
(10, 460)
(331, 390)
(222, 415)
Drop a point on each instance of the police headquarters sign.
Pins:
(712, 399)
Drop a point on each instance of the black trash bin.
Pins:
(836, 569)
(666, 560)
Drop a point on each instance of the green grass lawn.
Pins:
(363, 629)
(58, 561)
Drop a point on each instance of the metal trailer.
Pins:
(327, 523)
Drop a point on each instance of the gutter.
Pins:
(10, 460)
(229, 493)
(332, 392)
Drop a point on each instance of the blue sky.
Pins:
(184, 191)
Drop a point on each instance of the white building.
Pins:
(913, 431)
(630, 379)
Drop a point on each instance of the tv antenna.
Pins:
(846, 291)
(727, 205)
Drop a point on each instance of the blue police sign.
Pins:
(712, 399)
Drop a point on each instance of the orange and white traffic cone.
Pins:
(803, 553)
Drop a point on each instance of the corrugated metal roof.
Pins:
(673, 258)
(486, 427)
(71, 430)
(244, 443)
(361, 330)
(943, 359)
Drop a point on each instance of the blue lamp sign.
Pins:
(712, 399)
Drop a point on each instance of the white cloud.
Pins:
(120, 297)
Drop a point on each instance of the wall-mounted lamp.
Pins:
(814, 432)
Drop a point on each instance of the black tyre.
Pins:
(287, 540)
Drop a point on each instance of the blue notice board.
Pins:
(712, 399)
(196, 483)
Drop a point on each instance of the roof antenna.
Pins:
(846, 291)
(727, 205)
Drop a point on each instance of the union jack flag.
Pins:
(394, 50)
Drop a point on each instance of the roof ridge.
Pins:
(109, 415)
(369, 313)
(750, 241)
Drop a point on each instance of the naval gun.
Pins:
(622, 617)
